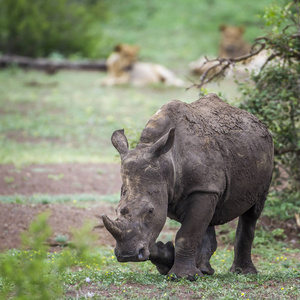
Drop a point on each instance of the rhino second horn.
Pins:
(112, 227)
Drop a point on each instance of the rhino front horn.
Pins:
(112, 227)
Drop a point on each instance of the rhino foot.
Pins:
(243, 269)
(206, 268)
(190, 274)
(162, 256)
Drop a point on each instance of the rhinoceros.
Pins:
(201, 164)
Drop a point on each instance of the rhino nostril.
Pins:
(141, 253)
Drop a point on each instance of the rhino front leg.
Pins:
(198, 215)
(243, 243)
(206, 250)
(162, 256)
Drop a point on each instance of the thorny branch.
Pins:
(222, 64)
(279, 50)
(286, 150)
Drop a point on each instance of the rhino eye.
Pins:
(151, 210)
(123, 192)
(124, 211)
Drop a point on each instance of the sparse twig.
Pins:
(222, 64)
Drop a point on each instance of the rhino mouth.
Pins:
(130, 250)
(141, 255)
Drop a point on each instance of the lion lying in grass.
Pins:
(232, 42)
(123, 67)
(232, 45)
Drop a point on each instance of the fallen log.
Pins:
(51, 66)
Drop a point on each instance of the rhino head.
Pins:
(142, 210)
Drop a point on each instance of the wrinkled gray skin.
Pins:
(201, 164)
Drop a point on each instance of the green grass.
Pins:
(46, 199)
(278, 277)
(69, 117)
(83, 270)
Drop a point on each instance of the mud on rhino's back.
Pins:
(207, 117)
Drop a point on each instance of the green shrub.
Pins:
(282, 205)
(27, 277)
(40, 27)
(274, 94)
(35, 273)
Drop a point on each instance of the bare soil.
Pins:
(58, 179)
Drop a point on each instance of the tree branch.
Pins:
(51, 66)
(222, 64)
(286, 150)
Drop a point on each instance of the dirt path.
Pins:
(15, 219)
(98, 179)
(57, 179)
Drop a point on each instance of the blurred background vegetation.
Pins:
(40, 28)
(167, 31)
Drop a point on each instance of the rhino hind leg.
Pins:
(162, 256)
(206, 249)
(243, 242)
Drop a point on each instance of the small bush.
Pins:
(282, 205)
(35, 273)
(273, 94)
(40, 27)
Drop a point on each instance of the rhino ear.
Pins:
(164, 144)
(119, 141)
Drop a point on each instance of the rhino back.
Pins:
(207, 120)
